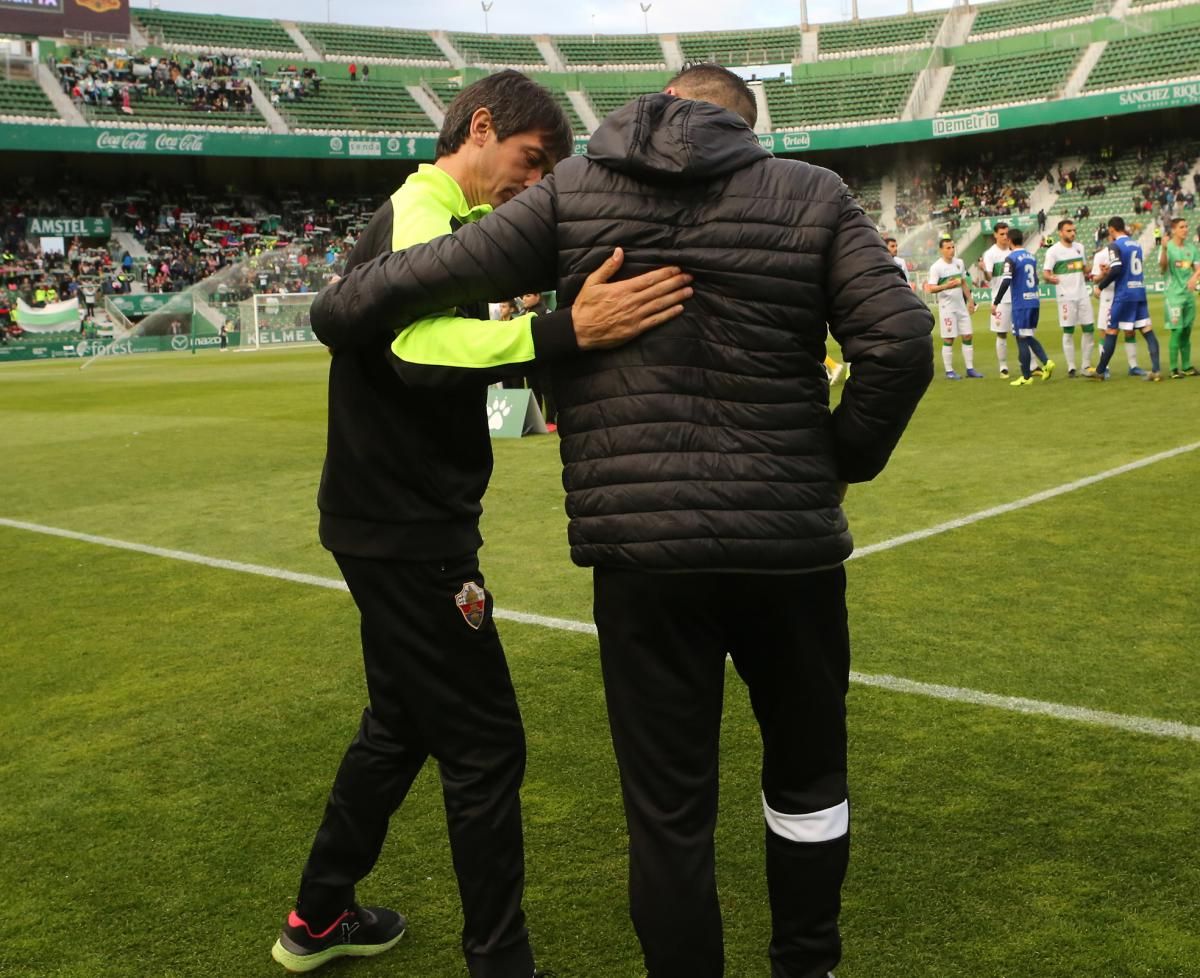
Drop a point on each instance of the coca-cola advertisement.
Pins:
(54, 17)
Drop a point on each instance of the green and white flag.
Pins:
(54, 318)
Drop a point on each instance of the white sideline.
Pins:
(1037, 497)
(1135, 724)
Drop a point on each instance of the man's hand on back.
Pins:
(608, 313)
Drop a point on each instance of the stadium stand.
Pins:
(1018, 15)
(1142, 184)
(750, 47)
(1137, 60)
(606, 100)
(1008, 80)
(210, 32)
(347, 42)
(505, 50)
(600, 50)
(337, 104)
(877, 34)
(24, 99)
(837, 100)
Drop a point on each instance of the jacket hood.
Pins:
(667, 139)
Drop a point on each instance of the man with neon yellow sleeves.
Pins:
(400, 500)
(1179, 259)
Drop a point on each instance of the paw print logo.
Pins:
(497, 412)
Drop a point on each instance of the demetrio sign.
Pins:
(89, 139)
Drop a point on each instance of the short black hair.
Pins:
(706, 81)
(1178, 220)
(1000, 226)
(517, 103)
(1064, 222)
(889, 240)
(1016, 235)
(1117, 223)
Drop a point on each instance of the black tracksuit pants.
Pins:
(663, 642)
(439, 688)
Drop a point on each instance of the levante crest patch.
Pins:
(472, 603)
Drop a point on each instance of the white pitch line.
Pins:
(1037, 497)
(1017, 704)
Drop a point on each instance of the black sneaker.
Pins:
(359, 932)
(1177, 375)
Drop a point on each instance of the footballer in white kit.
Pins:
(1066, 268)
(992, 265)
(949, 282)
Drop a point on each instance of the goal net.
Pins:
(274, 320)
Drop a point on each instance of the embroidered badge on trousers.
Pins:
(472, 602)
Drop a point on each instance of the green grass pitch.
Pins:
(170, 730)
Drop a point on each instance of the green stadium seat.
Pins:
(599, 50)
(807, 102)
(506, 50)
(347, 42)
(380, 105)
(606, 99)
(878, 33)
(1157, 56)
(1026, 77)
(25, 99)
(1014, 16)
(209, 32)
(751, 47)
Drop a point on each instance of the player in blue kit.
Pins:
(1129, 309)
(1021, 276)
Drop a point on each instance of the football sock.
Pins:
(1107, 349)
(968, 352)
(1023, 356)
(1069, 350)
(948, 357)
(1002, 352)
(1185, 347)
(1089, 343)
(1131, 349)
(1174, 352)
(1152, 343)
(1036, 349)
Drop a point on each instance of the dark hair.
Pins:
(1064, 222)
(889, 240)
(945, 239)
(518, 104)
(708, 82)
(1117, 223)
(1000, 226)
(1178, 220)
(1016, 236)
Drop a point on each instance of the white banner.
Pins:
(54, 318)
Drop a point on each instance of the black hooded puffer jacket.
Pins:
(708, 443)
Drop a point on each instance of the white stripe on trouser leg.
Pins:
(822, 826)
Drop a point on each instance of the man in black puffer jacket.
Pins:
(704, 475)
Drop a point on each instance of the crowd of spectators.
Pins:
(243, 244)
(208, 83)
(291, 84)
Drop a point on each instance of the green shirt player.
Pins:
(1180, 261)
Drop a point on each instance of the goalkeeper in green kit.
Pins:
(1180, 261)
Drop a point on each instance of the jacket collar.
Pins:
(446, 192)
